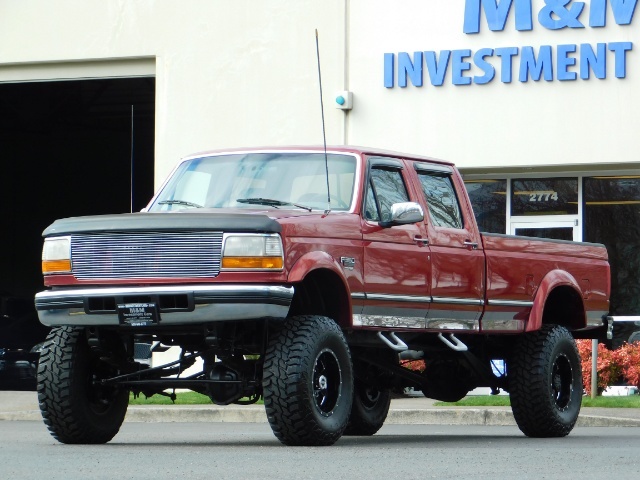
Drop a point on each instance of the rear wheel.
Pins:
(369, 410)
(73, 407)
(545, 382)
(308, 382)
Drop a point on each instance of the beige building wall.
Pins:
(228, 73)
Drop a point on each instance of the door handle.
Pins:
(420, 240)
(469, 243)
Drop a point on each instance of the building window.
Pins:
(544, 196)
(612, 217)
(489, 202)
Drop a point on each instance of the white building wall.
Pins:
(243, 73)
(497, 124)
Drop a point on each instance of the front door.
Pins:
(396, 259)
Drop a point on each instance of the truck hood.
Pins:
(228, 220)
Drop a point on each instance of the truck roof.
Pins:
(319, 148)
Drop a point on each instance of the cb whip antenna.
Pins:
(324, 135)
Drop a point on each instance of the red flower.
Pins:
(415, 365)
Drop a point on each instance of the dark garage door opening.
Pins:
(67, 148)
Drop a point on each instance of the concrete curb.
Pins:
(451, 416)
(21, 415)
(597, 421)
(229, 414)
(256, 414)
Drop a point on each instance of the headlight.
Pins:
(56, 255)
(256, 252)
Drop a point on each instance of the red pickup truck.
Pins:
(308, 278)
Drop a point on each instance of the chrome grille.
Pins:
(121, 255)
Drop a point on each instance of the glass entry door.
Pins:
(555, 230)
(546, 208)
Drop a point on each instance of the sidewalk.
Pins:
(414, 410)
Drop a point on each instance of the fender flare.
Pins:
(318, 260)
(313, 261)
(551, 281)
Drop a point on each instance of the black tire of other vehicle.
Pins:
(73, 409)
(369, 410)
(308, 382)
(545, 382)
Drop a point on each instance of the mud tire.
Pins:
(308, 382)
(73, 409)
(369, 410)
(545, 382)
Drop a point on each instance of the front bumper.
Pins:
(178, 305)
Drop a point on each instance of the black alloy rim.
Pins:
(327, 382)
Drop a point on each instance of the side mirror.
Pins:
(404, 213)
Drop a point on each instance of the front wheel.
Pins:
(308, 382)
(545, 382)
(73, 407)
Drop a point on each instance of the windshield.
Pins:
(274, 180)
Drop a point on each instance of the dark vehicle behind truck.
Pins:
(21, 339)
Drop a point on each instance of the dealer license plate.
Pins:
(138, 314)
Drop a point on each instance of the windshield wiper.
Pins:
(272, 203)
(179, 202)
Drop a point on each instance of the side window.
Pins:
(386, 187)
(441, 199)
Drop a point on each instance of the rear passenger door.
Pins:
(457, 259)
(396, 266)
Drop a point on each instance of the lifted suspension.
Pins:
(223, 384)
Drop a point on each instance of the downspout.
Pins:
(346, 16)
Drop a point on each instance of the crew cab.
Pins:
(307, 277)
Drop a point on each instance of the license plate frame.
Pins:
(139, 314)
